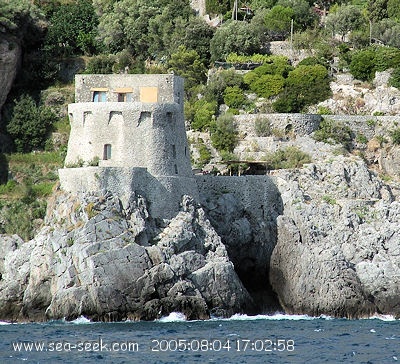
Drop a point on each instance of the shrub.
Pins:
(362, 65)
(204, 153)
(29, 124)
(395, 135)
(219, 81)
(395, 78)
(224, 133)
(291, 157)
(304, 86)
(234, 97)
(334, 132)
(262, 127)
(202, 113)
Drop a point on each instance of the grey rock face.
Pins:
(338, 242)
(109, 262)
(10, 54)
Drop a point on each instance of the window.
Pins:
(99, 96)
(173, 151)
(125, 97)
(176, 169)
(169, 117)
(107, 152)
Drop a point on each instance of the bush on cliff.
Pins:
(30, 125)
(224, 133)
(304, 86)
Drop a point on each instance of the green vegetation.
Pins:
(262, 127)
(204, 153)
(30, 125)
(334, 132)
(291, 157)
(395, 136)
(224, 133)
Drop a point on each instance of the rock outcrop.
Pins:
(106, 261)
(337, 251)
(10, 56)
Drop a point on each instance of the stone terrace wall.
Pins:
(305, 124)
(300, 124)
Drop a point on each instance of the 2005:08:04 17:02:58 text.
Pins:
(238, 345)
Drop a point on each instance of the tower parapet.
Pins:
(129, 126)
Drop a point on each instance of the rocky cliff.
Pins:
(106, 261)
(10, 56)
(337, 250)
(324, 240)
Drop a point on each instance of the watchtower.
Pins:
(128, 134)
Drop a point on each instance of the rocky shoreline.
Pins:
(334, 251)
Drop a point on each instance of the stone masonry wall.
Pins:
(163, 194)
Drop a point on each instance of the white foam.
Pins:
(276, 316)
(81, 320)
(4, 323)
(173, 317)
(382, 317)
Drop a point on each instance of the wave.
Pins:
(5, 323)
(276, 316)
(382, 317)
(81, 320)
(173, 317)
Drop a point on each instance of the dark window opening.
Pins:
(144, 116)
(99, 96)
(176, 169)
(173, 151)
(107, 152)
(169, 116)
(125, 97)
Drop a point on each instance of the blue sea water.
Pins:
(240, 339)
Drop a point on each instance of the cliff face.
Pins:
(106, 261)
(337, 251)
(10, 56)
(323, 239)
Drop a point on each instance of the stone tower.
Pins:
(128, 135)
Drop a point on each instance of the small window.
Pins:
(176, 169)
(125, 97)
(173, 151)
(107, 152)
(99, 96)
(169, 117)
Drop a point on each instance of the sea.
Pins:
(277, 338)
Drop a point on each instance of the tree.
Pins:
(147, 28)
(304, 86)
(346, 19)
(219, 81)
(388, 32)
(224, 133)
(303, 16)
(198, 35)
(234, 37)
(73, 29)
(278, 20)
(393, 9)
(377, 10)
(187, 64)
(29, 124)
(362, 65)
